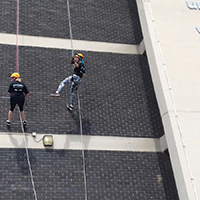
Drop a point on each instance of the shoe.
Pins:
(24, 123)
(57, 94)
(7, 123)
(70, 107)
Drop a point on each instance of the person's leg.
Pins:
(61, 86)
(73, 88)
(21, 108)
(12, 107)
(23, 118)
(10, 114)
(23, 115)
(63, 83)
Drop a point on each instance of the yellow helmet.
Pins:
(15, 75)
(80, 55)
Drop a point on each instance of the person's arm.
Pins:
(10, 89)
(25, 90)
(76, 64)
(82, 69)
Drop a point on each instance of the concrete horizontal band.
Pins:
(78, 142)
(59, 43)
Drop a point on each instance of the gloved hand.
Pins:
(72, 60)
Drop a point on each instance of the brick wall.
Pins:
(117, 96)
(108, 21)
(117, 99)
(58, 175)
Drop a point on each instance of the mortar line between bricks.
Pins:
(81, 45)
(68, 142)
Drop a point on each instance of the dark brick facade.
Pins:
(8, 16)
(58, 175)
(117, 96)
(107, 21)
(117, 99)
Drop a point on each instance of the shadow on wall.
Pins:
(135, 19)
(166, 178)
(21, 155)
(152, 104)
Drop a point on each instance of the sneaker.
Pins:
(24, 123)
(7, 123)
(70, 107)
(57, 94)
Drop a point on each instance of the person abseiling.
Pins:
(75, 79)
(18, 91)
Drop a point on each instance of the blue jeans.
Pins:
(76, 80)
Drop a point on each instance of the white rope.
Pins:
(27, 156)
(79, 108)
(17, 70)
(174, 105)
(83, 152)
(70, 27)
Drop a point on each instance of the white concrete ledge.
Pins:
(59, 43)
(63, 141)
(163, 143)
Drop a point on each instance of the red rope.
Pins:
(17, 33)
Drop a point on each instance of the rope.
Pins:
(17, 34)
(27, 156)
(70, 27)
(83, 152)
(17, 70)
(79, 108)
(174, 105)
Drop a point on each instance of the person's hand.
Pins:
(72, 60)
(76, 64)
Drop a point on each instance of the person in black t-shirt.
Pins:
(79, 72)
(18, 91)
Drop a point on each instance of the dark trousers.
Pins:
(17, 100)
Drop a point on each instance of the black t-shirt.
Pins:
(80, 70)
(17, 88)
